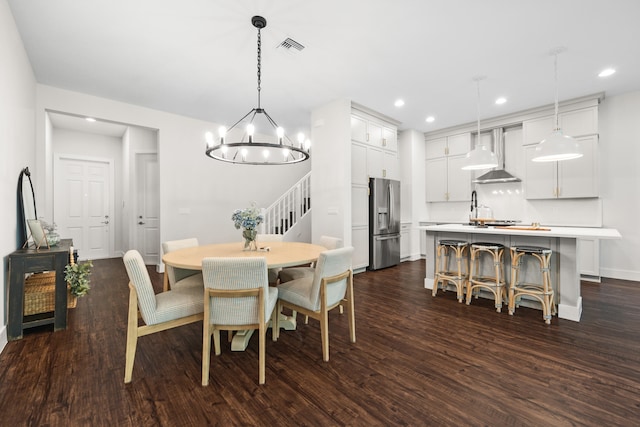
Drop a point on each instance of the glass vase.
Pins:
(250, 243)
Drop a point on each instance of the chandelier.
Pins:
(250, 149)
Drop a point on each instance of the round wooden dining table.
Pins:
(278, 254)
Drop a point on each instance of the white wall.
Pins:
(17, 137)
(331, 171)
(197, 194)
(619, 125)
(411, 150)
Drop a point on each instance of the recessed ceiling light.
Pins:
(399, 103)
(501, 100)
(90, 119)
(430, 119)
(607, 72)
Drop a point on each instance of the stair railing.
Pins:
(289, 208)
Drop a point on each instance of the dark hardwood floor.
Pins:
(417, 361)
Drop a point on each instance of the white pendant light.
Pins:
(557, 147)
(480, 157)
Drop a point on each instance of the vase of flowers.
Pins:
(248, 220)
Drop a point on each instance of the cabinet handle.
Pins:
(384, 142)
(367, 136)
(446, 151)
(384, 173)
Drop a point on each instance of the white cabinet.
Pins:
(374, 133)
(574, 123)
(589, 253)
(405, 240)
(445, 179)
(359, 174)
(360, 206)
(566, 179)
(374, 154)
(358, 129)
(360, 242)
(370, 162)
(390, 139)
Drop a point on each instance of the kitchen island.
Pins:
(565, 267)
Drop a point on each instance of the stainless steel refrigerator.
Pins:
(384, 223)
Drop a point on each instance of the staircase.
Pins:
(285, 212)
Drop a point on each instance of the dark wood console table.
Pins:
(33, 260)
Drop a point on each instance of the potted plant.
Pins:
(77, 277)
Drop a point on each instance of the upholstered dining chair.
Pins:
(175, 277)
(159, 312)
(237, 296)
(330, 285)
(292, 273)
(263, 241)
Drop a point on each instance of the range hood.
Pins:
(500, 174)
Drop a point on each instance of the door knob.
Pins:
(105, 222)
(140, 222)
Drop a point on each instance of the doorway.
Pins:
(147, 207)
(83, 204)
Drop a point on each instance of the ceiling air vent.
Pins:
(289, 43)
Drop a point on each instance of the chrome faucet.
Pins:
(474, 204)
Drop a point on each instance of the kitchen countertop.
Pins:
(567, 232)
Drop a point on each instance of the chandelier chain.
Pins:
(259, 64)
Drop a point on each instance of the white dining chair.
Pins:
(331, 285)
(159, 312)
(175, 277)
(237, 296)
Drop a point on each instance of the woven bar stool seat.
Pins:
(494, 282)
(543, 291)
(456, 273)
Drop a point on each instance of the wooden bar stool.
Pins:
(494, 283)
(543, 292)
(444, 272)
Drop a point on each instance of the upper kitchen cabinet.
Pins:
(445, 179)
(372, 132)
(390, 138)
(574, 123)
(374, 150)
(574, 178)
(577, 178)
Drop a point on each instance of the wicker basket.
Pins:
(39, 294)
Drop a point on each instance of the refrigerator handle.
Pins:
(391, 204)
(387, 237)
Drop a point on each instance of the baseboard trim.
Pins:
(3, 338)
(615, 273)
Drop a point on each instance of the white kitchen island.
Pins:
(562, 240)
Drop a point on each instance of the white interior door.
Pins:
(83, 209)
(147, 209)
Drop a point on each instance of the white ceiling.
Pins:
(198, 57)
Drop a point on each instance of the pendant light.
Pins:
(251, 151)
(480, 157)
(557, 147)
